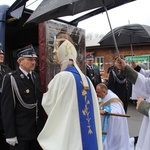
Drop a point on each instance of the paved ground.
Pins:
(134, 121)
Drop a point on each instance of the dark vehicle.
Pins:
(16, 33)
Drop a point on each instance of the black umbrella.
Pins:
(127, 35)
(52, 9)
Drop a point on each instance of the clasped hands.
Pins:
(102, 112)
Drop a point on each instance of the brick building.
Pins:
(104, 56)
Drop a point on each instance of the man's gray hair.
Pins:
(103, 86)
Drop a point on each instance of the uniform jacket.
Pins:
(94, 75)
(17, 120)
(119, 84)
(3, 70)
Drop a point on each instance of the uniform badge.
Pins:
(27, 91)
(22, 76)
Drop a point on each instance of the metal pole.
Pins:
(131, 50)
(131, 47)
(116, 47)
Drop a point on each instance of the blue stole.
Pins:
(105, 121)
(86, 113)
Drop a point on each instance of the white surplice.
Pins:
(62, 129)
(117, 137)
(142, 88)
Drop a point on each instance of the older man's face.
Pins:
(100, 92)
(1, 58)
(90, 62)
(27, 63)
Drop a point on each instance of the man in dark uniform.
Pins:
(21, 103)
(120, 85)
(92, 71)
(3, 70)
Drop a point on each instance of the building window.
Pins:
(99, 61)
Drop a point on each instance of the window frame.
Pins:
(101, 60)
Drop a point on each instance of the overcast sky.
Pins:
(134, 12)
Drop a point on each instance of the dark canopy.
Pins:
(127, 34)
(51, 9)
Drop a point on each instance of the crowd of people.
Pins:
(68, 116)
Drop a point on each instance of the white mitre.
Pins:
(65, 55)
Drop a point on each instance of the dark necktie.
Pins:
(29, 77)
